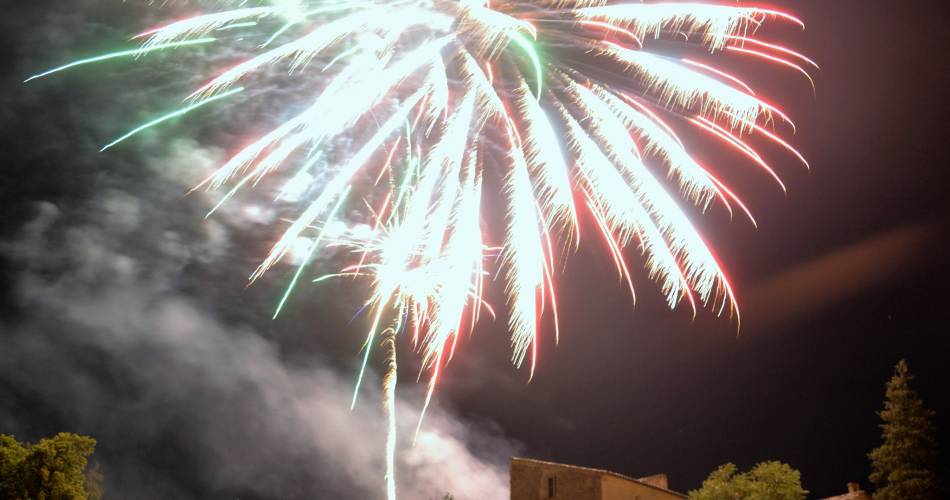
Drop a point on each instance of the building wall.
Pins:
(530, 481)
(617, 488)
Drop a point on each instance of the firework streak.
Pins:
(572, 105)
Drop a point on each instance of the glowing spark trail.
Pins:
(567, 104)
(314, 246)
(173, 114)
(123, 53)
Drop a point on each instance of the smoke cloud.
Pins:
(184, 403)
(126, 318)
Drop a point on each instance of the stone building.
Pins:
(854, 493)
(537, 480)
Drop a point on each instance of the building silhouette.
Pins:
(854, 493)
(537, 480)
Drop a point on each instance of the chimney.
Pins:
(656, 480)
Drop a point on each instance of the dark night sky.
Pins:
(844, 276)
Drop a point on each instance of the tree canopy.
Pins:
(766, 481)
(903, 466)
(53, 469)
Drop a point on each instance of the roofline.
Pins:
(598, 471)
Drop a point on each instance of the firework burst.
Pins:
(572, 104)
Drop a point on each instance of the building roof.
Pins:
(854, 493)
(600, 472)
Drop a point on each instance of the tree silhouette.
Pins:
(53, 469)
(767, 481)
(903, 466)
